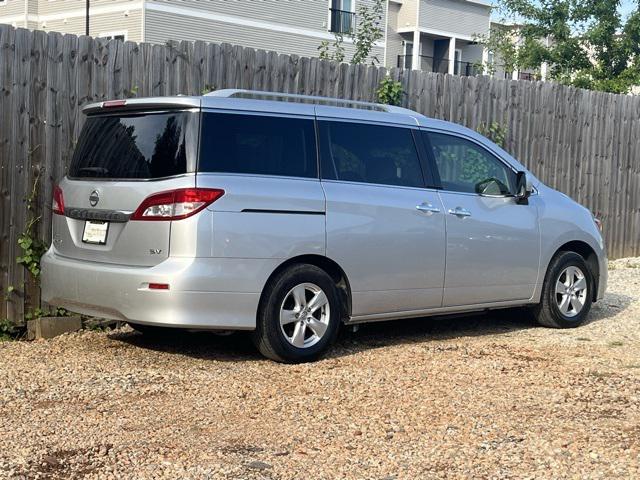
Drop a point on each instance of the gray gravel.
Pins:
(489, 396)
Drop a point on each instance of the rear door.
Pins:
(121, 158)
(384, 226)
(493, 243)
(273, 206)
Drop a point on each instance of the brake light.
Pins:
(158, 286)
(114, 103)
(58, 201)
(176, 204)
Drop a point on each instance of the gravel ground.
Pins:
(489, 396)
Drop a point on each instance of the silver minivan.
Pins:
(290, 215)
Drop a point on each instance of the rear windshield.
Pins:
(136, 146)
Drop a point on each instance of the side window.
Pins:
(467, 167)
(258, 144)
(357, 152)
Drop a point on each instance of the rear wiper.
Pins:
(94, 170)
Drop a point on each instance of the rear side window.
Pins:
(258, 144)
(136, 146)
(367, 153)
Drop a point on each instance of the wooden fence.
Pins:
(581, 142)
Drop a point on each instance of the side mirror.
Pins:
(523, 188)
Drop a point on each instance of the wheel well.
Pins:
(330, 267)
(589, 256)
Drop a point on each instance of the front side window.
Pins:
(366, 153)
(258, 144)
(466, 167)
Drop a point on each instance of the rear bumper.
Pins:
(197, 297)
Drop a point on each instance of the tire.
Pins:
(570, 305)
(302, 338)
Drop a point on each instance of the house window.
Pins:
(341, 16)
(114, 36)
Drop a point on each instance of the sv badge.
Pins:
(155, 251)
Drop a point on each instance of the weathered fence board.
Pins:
(581, 142)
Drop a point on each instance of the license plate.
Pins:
(95, 232)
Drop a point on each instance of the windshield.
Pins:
(136, 146)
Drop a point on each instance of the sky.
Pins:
(627, 6)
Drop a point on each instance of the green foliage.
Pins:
(39, 313)
(32, 247)
(338, 49)
(389, 91)
(368, 31)
(8, 330)
(495, 132)
(586, 44)
(208, 89)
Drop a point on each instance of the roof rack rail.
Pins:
(295, 98)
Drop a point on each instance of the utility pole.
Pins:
(86, 29)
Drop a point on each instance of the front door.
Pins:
(384, 228)
(493, 243)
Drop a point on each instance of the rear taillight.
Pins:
(58, 201)
(176, 204)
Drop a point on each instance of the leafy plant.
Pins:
(390, 91)
(588, 44)
(208, 89)
(368, 31)
(338, 54)
(32, 247)
(495, 132)
(8, 331)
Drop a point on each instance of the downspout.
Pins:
(144, 15)
(386, 33)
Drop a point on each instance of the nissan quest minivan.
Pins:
(290, 215)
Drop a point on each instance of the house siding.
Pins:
(13, 13)
(394, 39)
(455, 17)
(101, 24)
(191, 28)
(408, 14)
(54, 7)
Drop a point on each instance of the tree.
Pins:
(585, 43)
(368, 31)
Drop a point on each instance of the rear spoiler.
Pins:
(150, 103)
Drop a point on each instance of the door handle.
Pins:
(460, 212)
(427, 208)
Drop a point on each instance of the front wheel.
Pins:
(299, 315)
(566, 293)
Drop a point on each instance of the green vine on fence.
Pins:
(32, 247)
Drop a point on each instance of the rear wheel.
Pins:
(566, 293)
(299, 315)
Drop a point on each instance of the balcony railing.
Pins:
(467, 69)
(436, 65)
(342, 21)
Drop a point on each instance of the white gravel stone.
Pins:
(491, 396)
